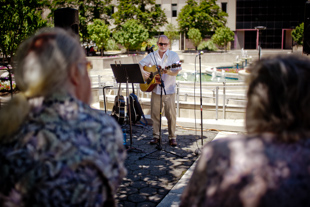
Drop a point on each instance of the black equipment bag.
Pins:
(135, 108)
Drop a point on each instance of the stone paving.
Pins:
(153, 172)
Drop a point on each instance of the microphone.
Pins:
(200, 53)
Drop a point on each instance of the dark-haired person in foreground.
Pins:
(54, 149)
(270, 166)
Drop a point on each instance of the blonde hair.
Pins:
(41, 67)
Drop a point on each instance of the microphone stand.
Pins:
(162, 85)
(201, 114)
(201, 99)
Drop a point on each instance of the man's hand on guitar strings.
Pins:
(145, 74)
(164, 71)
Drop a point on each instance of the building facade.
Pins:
(245, 17)
(277, 19)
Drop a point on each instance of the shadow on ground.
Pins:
(151, 177)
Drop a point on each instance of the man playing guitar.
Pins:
(163, 57)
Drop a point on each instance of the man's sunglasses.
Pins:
(161, 44)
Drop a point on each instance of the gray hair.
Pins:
(41, 67)
(163, 37)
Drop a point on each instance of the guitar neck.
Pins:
(170, 67)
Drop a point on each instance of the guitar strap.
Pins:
(144, 120)
(165, 60)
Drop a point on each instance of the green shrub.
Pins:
(150, 42)
(131, 35)
(112, 45)
(222, 36)
(298, 34)
(195, 36)
(207, 45)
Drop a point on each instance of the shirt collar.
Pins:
(166, 53)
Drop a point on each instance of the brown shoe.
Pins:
(154, 141)
(173, 142)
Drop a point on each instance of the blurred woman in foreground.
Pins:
(271, 165)
(54, 149)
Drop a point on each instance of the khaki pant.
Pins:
(168, 107)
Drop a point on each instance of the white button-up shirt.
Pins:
(168, 59)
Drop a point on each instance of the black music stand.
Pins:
(128, 73)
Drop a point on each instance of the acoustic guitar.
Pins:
(154, 78)
(118, 111)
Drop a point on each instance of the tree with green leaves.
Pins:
(99, 32)
(150, 42)
(131, 35)
(298, 34)
(206, 16)
(207, 45)
(223, 36)
(88, 11)
(195, 36)
(146, 12)
(172, 33)
(19, 20)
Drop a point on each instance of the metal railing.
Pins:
(215, 95)
(217, 92)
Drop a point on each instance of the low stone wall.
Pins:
(189, 110)
(226, 57)
(206, 58)
(105, 62)
(234, 104)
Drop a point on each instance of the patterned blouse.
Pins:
(65, 154)
(250, 171)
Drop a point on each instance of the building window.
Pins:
(224, 7)
(174, 8)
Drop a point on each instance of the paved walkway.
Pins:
(150, 178)
(173, 197)
(157, 177)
